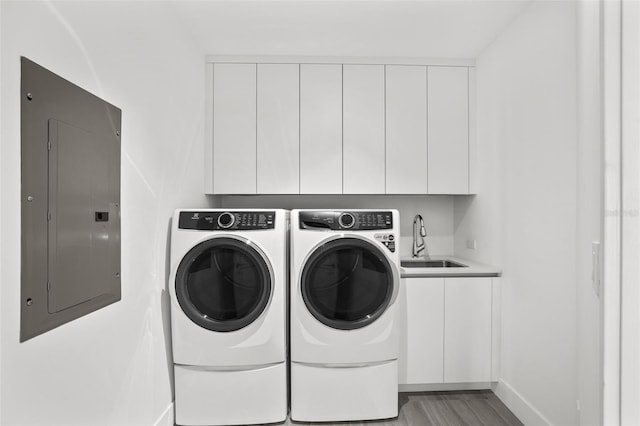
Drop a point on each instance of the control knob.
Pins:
(346, 220)
(226, 220)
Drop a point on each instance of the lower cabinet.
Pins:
(467, 330)
(449, 331)
(421, 351)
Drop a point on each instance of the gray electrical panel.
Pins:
(70, 257)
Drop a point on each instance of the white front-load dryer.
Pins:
(228, 287)
(343, 321)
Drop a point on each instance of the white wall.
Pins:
(437, 212)
(524, 217)
(112, 366)
(589, 214)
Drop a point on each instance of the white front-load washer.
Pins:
(228, 288)
(343, 322)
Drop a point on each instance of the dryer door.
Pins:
(347, 283)
(224, 284)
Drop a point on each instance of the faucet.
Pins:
(418, 235)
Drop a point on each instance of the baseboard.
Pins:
(166, 418)
(522, 408)
(435, 387)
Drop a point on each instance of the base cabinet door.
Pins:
(467, 330)
(422, 351)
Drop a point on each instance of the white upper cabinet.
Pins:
(278, 132)
(320, 129)
(448, 132)
(473, 159)
(234, 129)
(340, 129)
(406, 129)
(363, 148)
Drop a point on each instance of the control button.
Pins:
(346, 220)
(226, 220)
(391, 238)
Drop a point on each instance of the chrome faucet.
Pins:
(418, 235)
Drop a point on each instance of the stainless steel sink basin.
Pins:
(431, 264)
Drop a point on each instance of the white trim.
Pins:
(358, 60)
(522, 408)
(441, 387)
(166, 418)
(630, 216)
(611, 74)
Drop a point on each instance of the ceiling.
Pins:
(414, 29)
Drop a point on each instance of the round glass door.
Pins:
(223, 284)
(347, 283)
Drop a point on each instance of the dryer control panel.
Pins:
(227, 221)
(346, 220)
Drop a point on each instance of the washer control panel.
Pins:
(346, 220)
(231, 220)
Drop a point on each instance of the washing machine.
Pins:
(344, 330)
(228, 290)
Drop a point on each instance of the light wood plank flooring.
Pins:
(477, 408)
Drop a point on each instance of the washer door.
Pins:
(347, 283)
(224, 284)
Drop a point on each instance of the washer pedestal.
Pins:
(207, 396)
(321, 393)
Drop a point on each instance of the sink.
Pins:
(431, 264)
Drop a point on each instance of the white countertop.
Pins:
(471, 269)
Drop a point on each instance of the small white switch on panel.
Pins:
(471, 244)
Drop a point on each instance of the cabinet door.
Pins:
(467, 324)
(234, 128)
(320, 129)
(406, 147)
(421, 357)
(278, 129)
(448, 134)
(363, 129)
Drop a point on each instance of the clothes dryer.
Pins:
(228, 286)
(343, 322)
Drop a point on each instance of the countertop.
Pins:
(472, 269)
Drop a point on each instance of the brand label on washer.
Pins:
(389, 240)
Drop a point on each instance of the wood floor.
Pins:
(477, 408)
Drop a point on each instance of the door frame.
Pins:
(611, 73)
(621, 224)
(630, 214)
